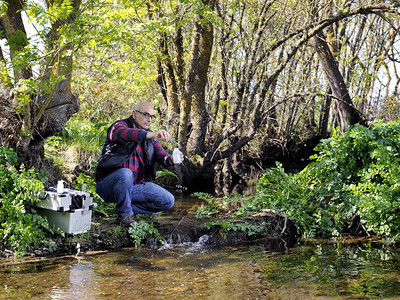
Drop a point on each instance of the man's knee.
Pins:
(169, 201)
(124, 175)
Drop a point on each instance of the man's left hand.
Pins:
(161, 135)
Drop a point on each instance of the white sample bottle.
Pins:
(176, 155)
(60, 187)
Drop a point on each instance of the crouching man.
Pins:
(127, 166)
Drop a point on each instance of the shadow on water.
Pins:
(311, 270)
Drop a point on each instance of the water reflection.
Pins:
(335, 271)
(80, 285)
(140, 274)
(308, 271)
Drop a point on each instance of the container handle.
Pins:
(41, 196)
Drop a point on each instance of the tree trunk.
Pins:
(346, 110)
(168, 85)
(17, 40)
(197, 81)
(166, 78)
(42, 114)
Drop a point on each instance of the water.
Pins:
(310, 270)
(138, 274)
(328, 270)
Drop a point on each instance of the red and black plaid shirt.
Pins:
(121, 133)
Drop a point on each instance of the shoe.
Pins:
(127, 221)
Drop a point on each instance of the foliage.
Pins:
(103, 208)
(286, 193)
(78, 144)
(8, 156)
(231, 225)
(211, 208)
(21, 228)
(354, 173)
(216, 206)
(166, 177)
(361, 175)
(142, 230)
(115, 67)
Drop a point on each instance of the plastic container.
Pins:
(70, 211)
(75, 222)
(176, 156)
(66, 201)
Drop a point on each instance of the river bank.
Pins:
(176, 226)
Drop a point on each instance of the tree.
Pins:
(259, 59)
(237, 75)
(41, 103)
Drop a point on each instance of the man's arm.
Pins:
(121, 133)
(160, 135)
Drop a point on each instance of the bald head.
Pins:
(143, 106)
(143, 114)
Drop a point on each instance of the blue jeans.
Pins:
(144, 198)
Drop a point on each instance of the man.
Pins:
(127, 166)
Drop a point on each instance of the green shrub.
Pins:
(21, 228)
(285, 193)
(8, 156)
(225, 226)
(141, 231)
(79, 143)
(354, 173)
(212, 207)
(166, 177)
(102, 208)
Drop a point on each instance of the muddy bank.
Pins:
(177, 226)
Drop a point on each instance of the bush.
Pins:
(357, 173)
(21, 228)
(142, 230)
(78, 144)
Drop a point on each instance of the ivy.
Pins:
(225, 226)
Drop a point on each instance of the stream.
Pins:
(318, 269)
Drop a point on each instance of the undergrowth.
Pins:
(142, 230)
(21, 227)
(354, 174)
(77, 145)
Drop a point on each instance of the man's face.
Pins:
(143, 116)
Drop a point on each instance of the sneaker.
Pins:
(127, 221)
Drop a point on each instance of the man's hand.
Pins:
(160, 135)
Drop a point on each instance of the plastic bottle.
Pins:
(60, 187)
(176, 155)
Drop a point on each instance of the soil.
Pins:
(106, 234)
(176, 226)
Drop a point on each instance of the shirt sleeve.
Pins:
(162, 156)
(121, 133)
